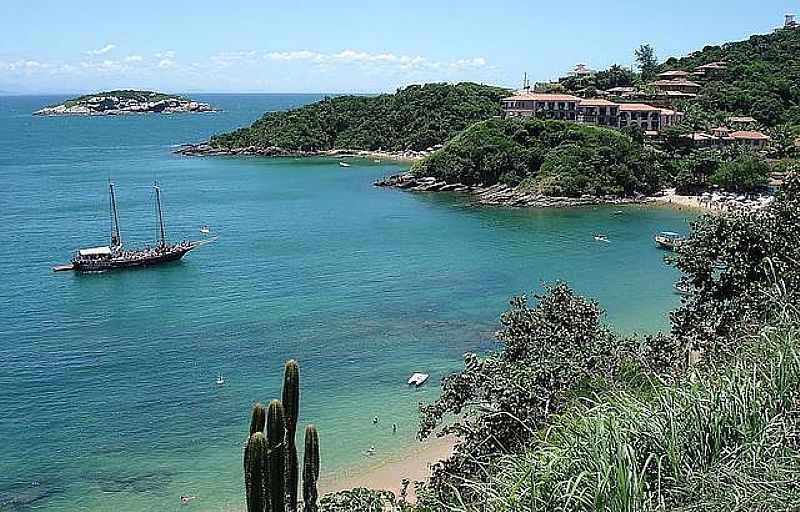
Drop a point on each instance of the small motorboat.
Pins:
(205, 229)
(601, 238)
(418, 379)
(377, 161)
(682, 288)
(220, 381)
(668, 240)
(618, 212)
(344, 164)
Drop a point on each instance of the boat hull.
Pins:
(135, 261)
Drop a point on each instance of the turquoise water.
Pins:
(107, 380)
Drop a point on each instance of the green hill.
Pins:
(414, 118)
(761, 78)
(558, 158)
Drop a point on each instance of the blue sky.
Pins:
(346, 46)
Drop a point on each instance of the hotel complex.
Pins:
(589, 111)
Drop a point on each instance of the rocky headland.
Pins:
(125, 102)
(498, 194)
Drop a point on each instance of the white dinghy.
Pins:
(418, 379)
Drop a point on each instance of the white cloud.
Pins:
(248, 70)
(104, 50)
(405, 62)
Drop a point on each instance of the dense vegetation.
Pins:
(568, 415)
(550, 157)
(126, 94)
(415, 118)
(761, 78)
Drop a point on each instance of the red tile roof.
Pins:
(752, 135)
(542, 97)
(636, 107)
(596, 102)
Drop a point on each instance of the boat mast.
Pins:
(116, 237)
(163, 239)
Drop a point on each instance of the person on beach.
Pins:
(375, 420)
(371, 450)
(394, 428)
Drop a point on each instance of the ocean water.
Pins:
(107, 380)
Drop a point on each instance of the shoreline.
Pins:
(205, 149)
(413, 465)
(500, 194)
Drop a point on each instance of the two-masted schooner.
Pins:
(115, 255)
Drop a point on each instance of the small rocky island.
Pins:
(125, 102)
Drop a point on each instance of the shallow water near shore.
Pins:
(107, 380)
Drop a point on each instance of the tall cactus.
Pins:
(276, 456)
(291, 405)
(270, 456)
(258, 419)
(256, 473)
(310, 470)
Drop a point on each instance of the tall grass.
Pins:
(726, 438)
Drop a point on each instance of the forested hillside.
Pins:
(761, 78)
(414, 118)
(549, 157)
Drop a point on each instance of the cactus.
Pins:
(310, 470)
(258, 419)
(270, 456)
(255, 473)
(276, 456)
(291, 404)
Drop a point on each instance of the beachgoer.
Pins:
(394, 428)
(371, 449)
(375, 420)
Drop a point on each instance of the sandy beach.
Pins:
(670, 198)
(413, 465)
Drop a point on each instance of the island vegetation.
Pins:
(125, 102)
(415, 118)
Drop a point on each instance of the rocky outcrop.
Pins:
(497, 195)
(115, 105)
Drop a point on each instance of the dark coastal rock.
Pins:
(498, 194)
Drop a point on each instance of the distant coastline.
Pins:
(125, 102)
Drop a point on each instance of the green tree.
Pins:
(647, 61)
(782, 142)
(732, 262)
(744, 173)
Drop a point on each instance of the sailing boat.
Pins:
(113, 256)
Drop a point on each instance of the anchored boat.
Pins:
(115, 255)
(669, 240)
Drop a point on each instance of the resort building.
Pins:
(595, 111)
(640, 114)
(599, 112)
(752, 139)
(551, 106)
(581, 70)
(680, 85)
(723, 136)
(673, 74)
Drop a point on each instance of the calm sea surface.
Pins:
(107, 381)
